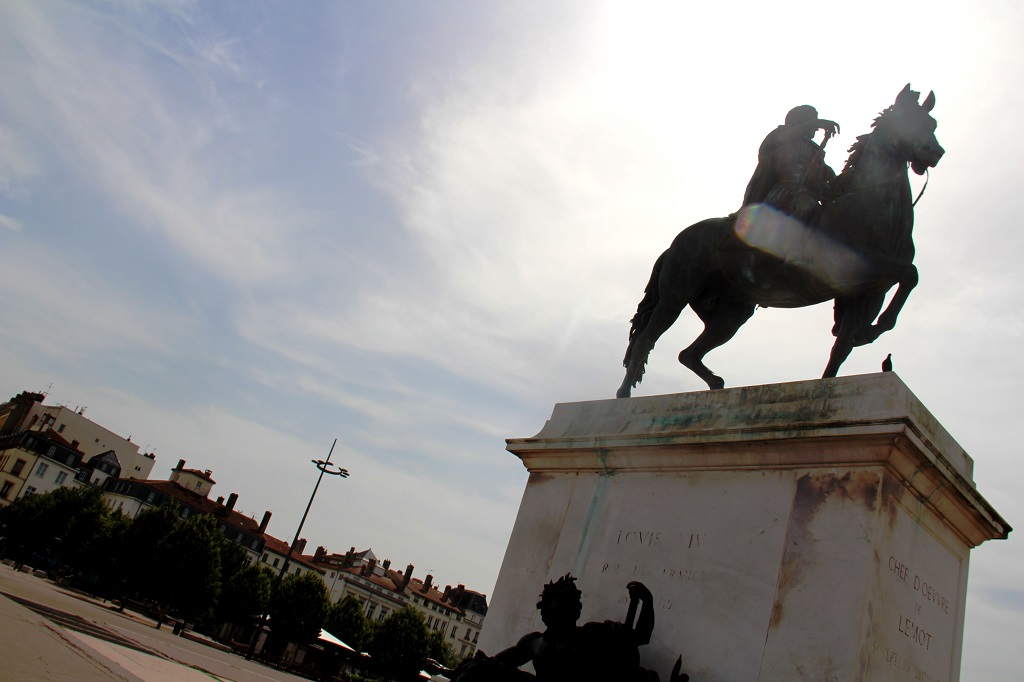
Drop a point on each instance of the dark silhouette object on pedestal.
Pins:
(856, 246)
(594, 652)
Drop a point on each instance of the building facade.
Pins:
(41, 461)
(456, 612)
(189, 490)
(26, 412)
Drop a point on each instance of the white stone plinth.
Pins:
(817, 530)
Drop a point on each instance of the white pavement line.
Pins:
(154, 643)
(147, 667)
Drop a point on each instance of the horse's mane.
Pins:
(856, 150)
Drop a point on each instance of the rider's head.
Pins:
(804, 117)
(561, 602)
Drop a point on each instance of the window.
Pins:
(29, 491)
(71, 459)
(41, 469)
(455, 631)
(275, 562)
(370, 611)
(61, 477)
(265, 557)
(60, 429)
(150, 497)
(18, 466)
(5, 489)
(51, 451)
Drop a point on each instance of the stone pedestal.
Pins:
(817, 530)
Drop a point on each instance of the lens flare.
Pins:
(771, 231)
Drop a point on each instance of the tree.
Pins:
(61, 529)
(245, 593)
(299, 608)
(399, 644)
(190, 557)
(439, 650)
(347, 621)
(141, 556)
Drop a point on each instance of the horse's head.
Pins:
(908, 130)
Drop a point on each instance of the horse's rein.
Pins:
(895, 176)
(921, 193)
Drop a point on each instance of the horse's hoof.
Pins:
(622, 393)
(716, 383)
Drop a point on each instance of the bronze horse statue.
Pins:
(859, 247)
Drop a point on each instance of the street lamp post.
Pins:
(325, 467)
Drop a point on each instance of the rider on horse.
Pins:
(791, 173)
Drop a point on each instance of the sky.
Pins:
(238, 230)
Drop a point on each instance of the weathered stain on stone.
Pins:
(539, 478)
(860, 487)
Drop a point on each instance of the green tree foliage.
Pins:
(190, 564)
(245, 593)
(347, 621)
(299, 608)
(63, 529)
(439, 650)
(399, 644)
(107, 547)
(142, 574)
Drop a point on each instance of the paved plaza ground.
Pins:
(50, 633)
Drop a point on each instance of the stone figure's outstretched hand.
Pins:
(677, 675)
(830, 127)
(638, 590)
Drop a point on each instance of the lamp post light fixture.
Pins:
(325, 467)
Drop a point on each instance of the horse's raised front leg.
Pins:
(887, 320)
(722, 319)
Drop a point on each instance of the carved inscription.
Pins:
(644, 540)
(927, 601)
(919, 585)
(913, 672)
(639, 537)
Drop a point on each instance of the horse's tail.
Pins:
(644, 309)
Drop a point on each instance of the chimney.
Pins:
(386, 565)
(208, 472)
(74, 445)
(457, 594)
(265, 522)
(427, 583)
(406, 577)
(368, 569)
(220, 501)
(299, 546)
(447, 591)
(232, 498)
(181, 465)
(321, 552)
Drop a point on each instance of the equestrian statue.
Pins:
(803, 236)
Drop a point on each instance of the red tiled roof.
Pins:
(281, 547)
(197, 473)
(204, 504)
(55, 437)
